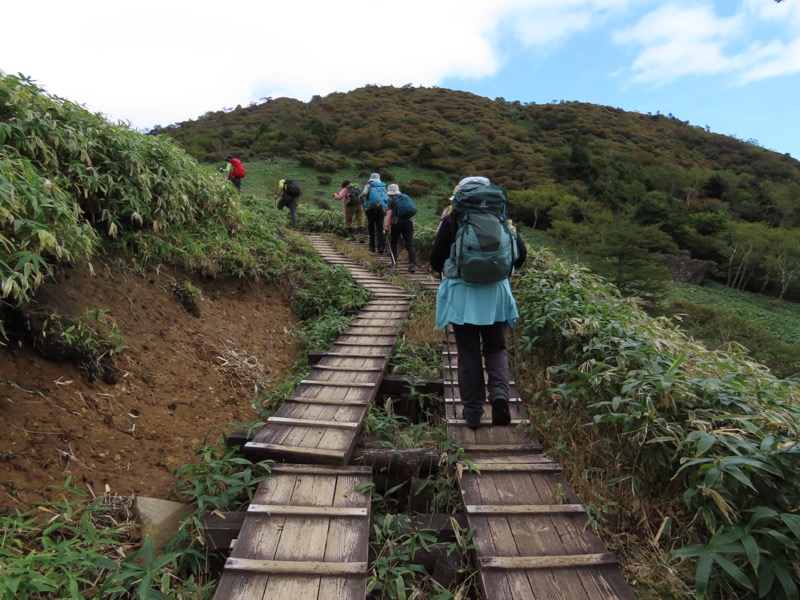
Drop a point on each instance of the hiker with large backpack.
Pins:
(288, 194)
(351, 194)
(400, 222)
(477, 252)
(374, 198)
(235, 170)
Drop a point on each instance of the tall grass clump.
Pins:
(68, 178)
(700, 447)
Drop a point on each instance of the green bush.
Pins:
(69, 177)
(676, 423)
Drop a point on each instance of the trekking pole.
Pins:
(392, 257)
(447, 331)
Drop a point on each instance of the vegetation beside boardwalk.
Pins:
(697, 447)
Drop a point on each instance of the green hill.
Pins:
(584, 172)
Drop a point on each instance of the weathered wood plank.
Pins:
(325, 511)
(322, 400)
(312, 423)
(546, 562)
(288, 450)
(301, 469)
(323, 382)
(523, 509)
(297, 567)
(524, 447)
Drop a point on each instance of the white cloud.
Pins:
(679, 41)
(163, 61)
(775, 60)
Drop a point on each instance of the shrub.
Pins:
(677, 423)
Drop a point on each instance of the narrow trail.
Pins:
(306, 532)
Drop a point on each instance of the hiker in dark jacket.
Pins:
(397, 226)
(286, 199)
(479, 313)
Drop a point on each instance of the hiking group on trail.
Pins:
(477, 251)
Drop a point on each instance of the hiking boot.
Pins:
(501, 413)
(472, 421)
(412, 268)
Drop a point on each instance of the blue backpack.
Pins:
(484, 249)
(377, 197)
(404, 206)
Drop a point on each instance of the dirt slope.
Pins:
(184, 380)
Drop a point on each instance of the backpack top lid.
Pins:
(477, 195)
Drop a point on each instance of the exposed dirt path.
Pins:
(185, 380)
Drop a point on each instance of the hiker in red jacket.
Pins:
(235, 170)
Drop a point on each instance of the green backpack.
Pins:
(353, 195)
(484, 248)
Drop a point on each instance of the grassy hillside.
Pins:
(584, 172)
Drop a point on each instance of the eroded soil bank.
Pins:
(185, 380)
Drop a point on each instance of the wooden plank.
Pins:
(353, 355)
(313, 423)
(306, 400)
(458, 400)
(523, 509)
(364, 384)
(501, 447)
(547, 562)
(364, 344)
(551, 467)
(321, 511)
(279, 448)
(488, 422)
(345, 368)
(352, 470)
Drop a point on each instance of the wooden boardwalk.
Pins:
(306, 535)
(530, 531)
(320, 421)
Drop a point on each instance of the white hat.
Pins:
(474, 180)
(393, 189)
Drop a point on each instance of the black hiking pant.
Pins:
(291, 203)
(404, 228)
(377, 240)
(479, 346)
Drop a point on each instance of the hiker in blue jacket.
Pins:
(374, 202)
(396, 225)
(479, 313)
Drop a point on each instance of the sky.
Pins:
(732, 66)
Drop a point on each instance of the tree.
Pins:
(629, 255)
(532, 207)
